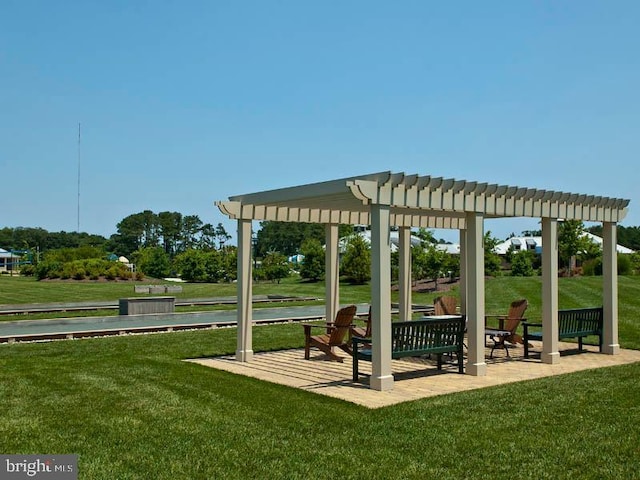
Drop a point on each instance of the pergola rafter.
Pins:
(388, 199)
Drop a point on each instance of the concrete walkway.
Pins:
(414, 378)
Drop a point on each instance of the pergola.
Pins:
(387, 199)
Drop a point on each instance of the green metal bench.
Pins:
(416, 338)
(575, 323)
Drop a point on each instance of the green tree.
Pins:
(356, 261)
(221, 235)
(419, 260)
(134, 232)
(287, 237)
(452, 265)
(169, 228)
(274, 267)
(436, 261)
(492, 261)
(207, 240)
(229, 255)
(153, 262)
(573, 244)
(522, 263)
(191, 227)
(635, 262)
(426, 236)
(627, 236)
(38, 240)
(192, 265)
(312, 266)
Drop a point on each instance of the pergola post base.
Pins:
(550, 357)
(381, 384)
(611, 349)
(477, 369)
(244, 355)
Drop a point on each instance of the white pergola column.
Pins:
(244, 348)
(381, 377)
(610, 289)
(463, 272)
(331, 271)
(550, 353)
(475, 294)
(404, 281)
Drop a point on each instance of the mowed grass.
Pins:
(499, 292)
(25, 290)
(131, 408)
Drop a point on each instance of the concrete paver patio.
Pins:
(415, 378)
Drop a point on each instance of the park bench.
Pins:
(575, 323)
(416, 338)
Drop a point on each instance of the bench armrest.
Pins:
(317, 325)
(328, 327)
(529, 324)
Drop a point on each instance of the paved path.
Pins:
(415, 378)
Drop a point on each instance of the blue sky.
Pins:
(184, 103)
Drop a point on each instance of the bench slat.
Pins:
(574, 323)
(416, 338)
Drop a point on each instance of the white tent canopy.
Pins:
(390, 199)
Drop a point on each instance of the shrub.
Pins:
(312, 266)
(28, 270)
(592, 267)
(275, 267)
(624, 265)
(48, 269)
(522, 264)
(356, 262)
(153, 261)
(111, 273)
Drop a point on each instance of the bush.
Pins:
(624, 265)
(356, 262)
(28, 270)
(93, 268)
(275, 267)
(312, 267)
(111, 273)
(48, 269)
(522, 264)
(592, 267)
(153, 261)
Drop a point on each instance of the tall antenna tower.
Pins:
(78, 228)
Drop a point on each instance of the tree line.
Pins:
(169, 243)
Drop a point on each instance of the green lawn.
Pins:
(573, 293)
(132, 409)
